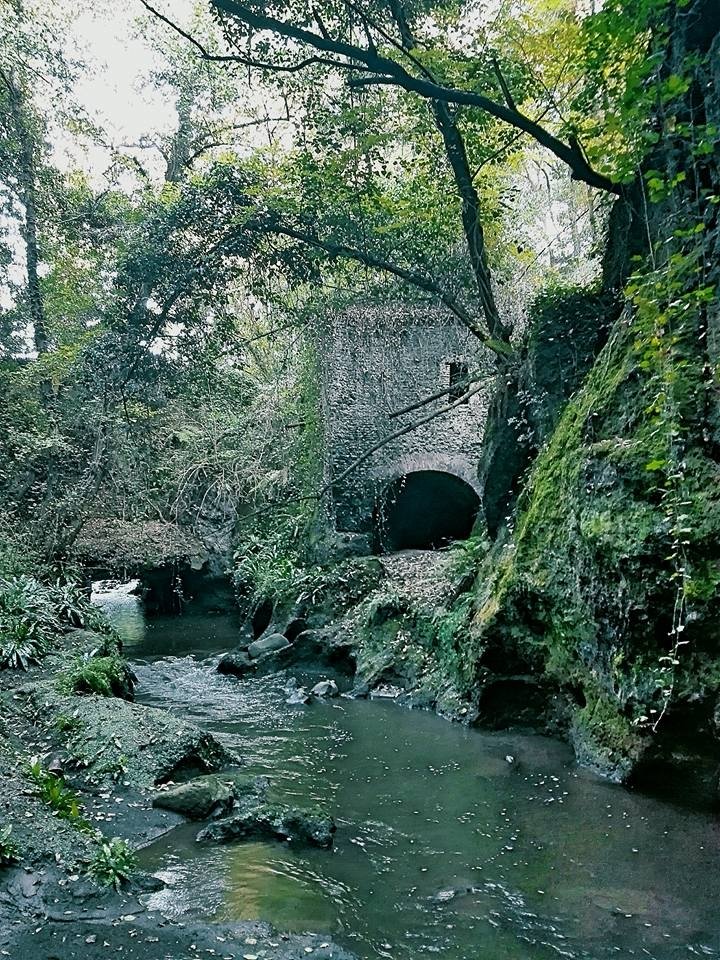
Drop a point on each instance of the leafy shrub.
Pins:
(28, 621)
(106, 676)
(70, 603)
(33, 614)
(19, 648)
(113, 863)
(9, 852)
(51, 790)
(466, 556)
(267, 568)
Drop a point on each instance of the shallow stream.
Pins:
(451, 841)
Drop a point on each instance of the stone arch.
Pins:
(459, 466)
(424, 509)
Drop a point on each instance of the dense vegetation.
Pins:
(545, 170)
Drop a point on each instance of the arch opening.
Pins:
(424, 510)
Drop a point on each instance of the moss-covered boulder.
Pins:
(203, 797)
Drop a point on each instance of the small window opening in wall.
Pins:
(458, 382)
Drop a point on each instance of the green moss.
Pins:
(619, 518)
(66, 724)
(604, 738)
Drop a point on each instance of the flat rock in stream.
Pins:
(269, 822)
(210, 796)
(143, 745)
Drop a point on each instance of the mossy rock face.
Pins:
(606, 741)
(585, 591)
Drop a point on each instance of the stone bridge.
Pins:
(421, 488)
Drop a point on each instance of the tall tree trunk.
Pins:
(32, 257)
(27, 194)
(470, 202)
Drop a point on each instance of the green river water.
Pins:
(444, 848)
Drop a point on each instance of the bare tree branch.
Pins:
(465, 382)
(456, 154)
(400, 433)
(441, 411)
(236, 57)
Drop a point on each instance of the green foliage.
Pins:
(17, 556)
(28, 621)
(611, 572)
(104, 676)
(467, 555)
(51, 790)
(67, 724)
(9, 850)
(266, 568)
(113, 863)
(33, 614)
(601, 728)
(271, 562)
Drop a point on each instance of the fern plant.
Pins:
(113, 863)
(106, 676)
(33, 614)
(51, 790)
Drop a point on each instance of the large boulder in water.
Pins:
(270, 644)
(237, 663)
(211, 795)
(270, 822)
(198, 799)
(326, 688)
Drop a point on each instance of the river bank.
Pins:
(78, 770)
(449, 839)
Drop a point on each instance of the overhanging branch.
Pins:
(383, 70)
(419, 280)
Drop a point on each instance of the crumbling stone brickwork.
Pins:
(379, 360)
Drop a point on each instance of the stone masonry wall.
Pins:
(375, 361)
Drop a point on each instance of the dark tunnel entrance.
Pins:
(424, 510)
